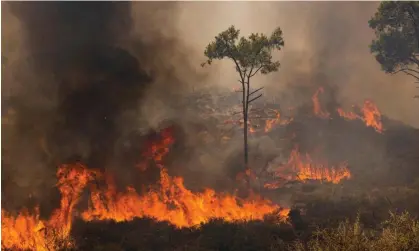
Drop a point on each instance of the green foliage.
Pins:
(250, 55)
(396, 46)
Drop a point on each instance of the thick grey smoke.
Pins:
(74, 84)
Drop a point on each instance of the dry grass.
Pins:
(399, 233)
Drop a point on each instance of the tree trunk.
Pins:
(245, 129)
(246, 149)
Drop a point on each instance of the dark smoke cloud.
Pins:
(76, 84)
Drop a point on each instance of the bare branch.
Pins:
(234, 113)
(253, 92)
(410, 74)
(250, 72)
(253, 99)
(256, 71)
(414, 60)
(267, 117)
(411, 70)
(406, 71)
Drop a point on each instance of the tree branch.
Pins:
(256, 71)
(415, 24)
(410, 74)
(411, 70)
(406, 71)
(234, 60)
(253, 99)
(253, 92)
(414, 60)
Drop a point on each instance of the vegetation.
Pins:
(396, 47)
(250, 56)
(400, 232)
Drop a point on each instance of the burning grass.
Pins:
(169, 200)
(205, 220)
(304, 168)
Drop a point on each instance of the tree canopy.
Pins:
(396, 46)
(250, 55)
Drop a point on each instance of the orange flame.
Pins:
(270, 123)
(251, 129)
(172, 202)
(303, 168)
(157, 149)
(317, 110)
(371, 116)
(27, 231)
(348, 115)
(169, 201)
(23, 231)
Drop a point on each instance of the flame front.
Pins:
(172, 202)
(169, 200)
(303, 168)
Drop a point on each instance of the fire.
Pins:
(303, 168)
(348, 115)
(172, 201)
(251, 129)
(27, 231)
(23, 231)
(157, 149)
(317, 109)
(371, 116)
(270, 123)
(169, 200)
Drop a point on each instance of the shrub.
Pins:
(399, 233)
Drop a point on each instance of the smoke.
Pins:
(326, 44)
(78, 79)
(85, 81)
